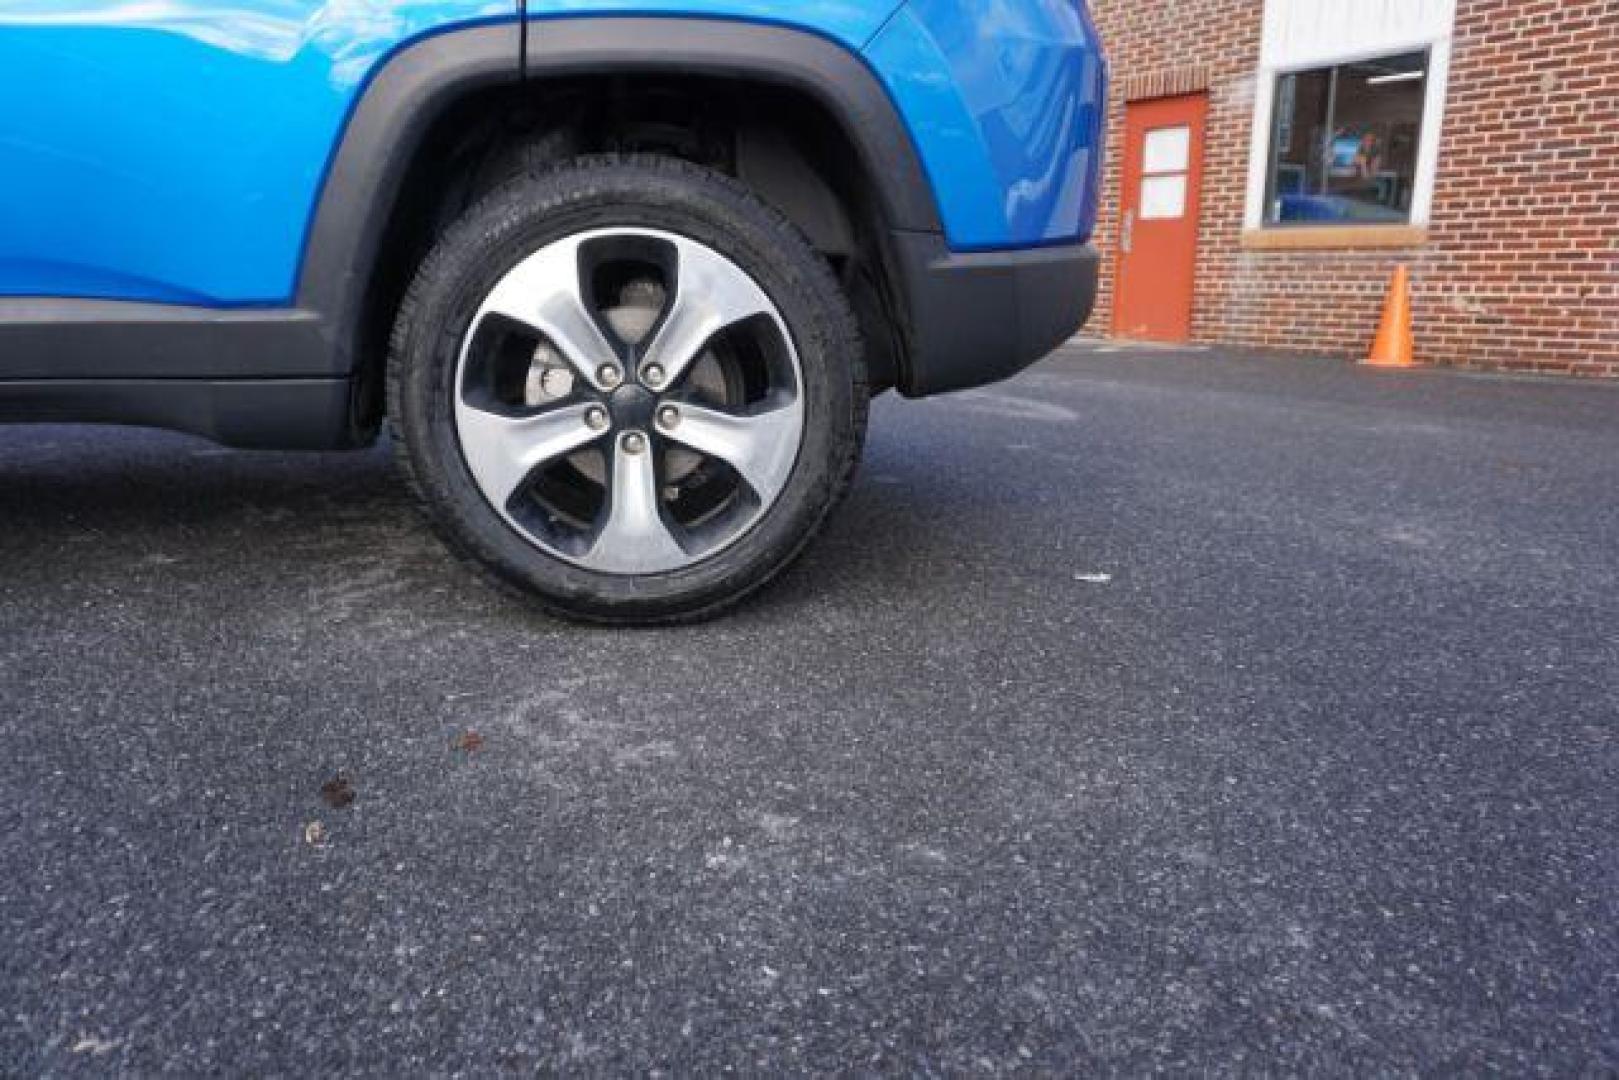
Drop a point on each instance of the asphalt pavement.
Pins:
(1152, 712)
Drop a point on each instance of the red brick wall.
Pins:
(1521, 267)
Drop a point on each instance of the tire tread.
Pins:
(429, 491)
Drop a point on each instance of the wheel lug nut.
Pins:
(652, 375)
(634, 442)
(596, 418)
(609, 375)
(668, 416)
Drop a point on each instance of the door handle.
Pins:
(1127, 233)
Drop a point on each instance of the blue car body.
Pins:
(176, 153)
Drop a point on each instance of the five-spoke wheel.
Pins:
(629, 400)
(655, 387)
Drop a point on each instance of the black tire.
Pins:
(534, 210)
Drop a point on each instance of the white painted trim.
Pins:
(1306, 34)
(1433, 130)
(1259, 148)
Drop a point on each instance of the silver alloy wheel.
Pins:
(695, 374)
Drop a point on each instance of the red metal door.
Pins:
(1162, 188)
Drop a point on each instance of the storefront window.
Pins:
(1344, 146)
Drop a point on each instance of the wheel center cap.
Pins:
(633, 408)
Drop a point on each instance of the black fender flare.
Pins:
(385, 129)
(838, 79)
(414, 88)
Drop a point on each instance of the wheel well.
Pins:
(781, 142)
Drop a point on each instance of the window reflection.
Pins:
(1345, 143)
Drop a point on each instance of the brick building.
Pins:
(1271, 162)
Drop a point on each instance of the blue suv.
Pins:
(620, 276)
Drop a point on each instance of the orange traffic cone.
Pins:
(1394, 347)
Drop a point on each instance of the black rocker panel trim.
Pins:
(109, 339)
(274, 414)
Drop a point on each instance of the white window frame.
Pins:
(1307, 35)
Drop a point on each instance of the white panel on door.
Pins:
(1167, 150)
(1163, 198)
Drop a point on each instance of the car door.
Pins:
(173, 152)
